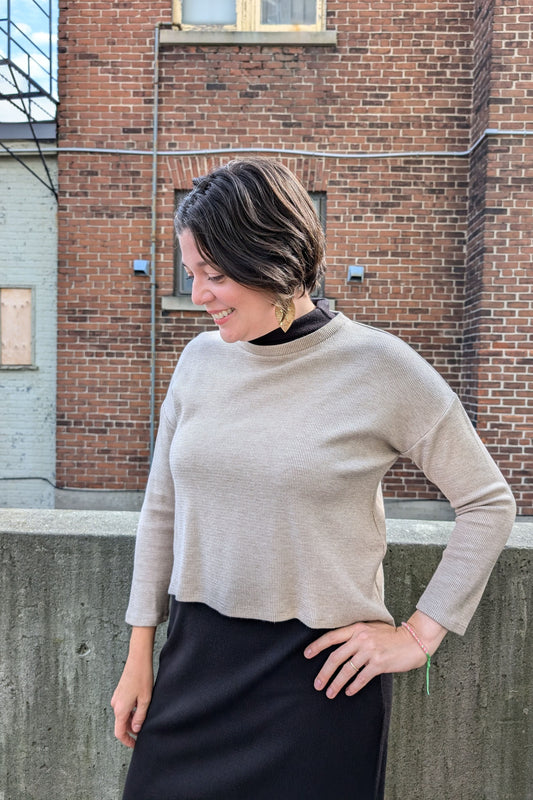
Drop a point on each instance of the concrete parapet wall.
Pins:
(64, 586)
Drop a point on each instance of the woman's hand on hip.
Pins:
(367, 649)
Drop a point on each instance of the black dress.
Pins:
(234, 715)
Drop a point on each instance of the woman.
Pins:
(263, 520)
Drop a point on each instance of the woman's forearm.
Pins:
(141, 643)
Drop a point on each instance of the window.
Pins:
(182, 282)
(16, 312)
(250, 15)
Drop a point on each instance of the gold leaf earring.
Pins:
(285, 314)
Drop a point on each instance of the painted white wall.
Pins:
(28, 257)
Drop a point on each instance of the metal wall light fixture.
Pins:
(141, 267)
(356, 273)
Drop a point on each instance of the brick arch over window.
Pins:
(312, 171)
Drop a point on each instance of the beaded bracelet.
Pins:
(424, 648)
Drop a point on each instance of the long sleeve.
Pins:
(453, 457)
(148, 603)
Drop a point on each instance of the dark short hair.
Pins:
(254, 221)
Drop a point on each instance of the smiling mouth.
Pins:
(221, 314)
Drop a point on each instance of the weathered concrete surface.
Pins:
(64, 586)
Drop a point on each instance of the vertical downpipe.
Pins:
(153, 233)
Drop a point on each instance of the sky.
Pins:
(30, 51)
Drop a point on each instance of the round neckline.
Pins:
(296, 345)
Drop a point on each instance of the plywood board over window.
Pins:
(16, 327)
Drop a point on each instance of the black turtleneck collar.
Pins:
(301, 326)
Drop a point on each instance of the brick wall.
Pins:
(401, 80)
(497, 357)
(506, 337)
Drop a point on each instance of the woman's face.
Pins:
(242, 314)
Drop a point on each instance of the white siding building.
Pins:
(28, 290)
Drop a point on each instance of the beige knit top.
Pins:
(264, 497)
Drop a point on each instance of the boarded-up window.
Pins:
(15, 327)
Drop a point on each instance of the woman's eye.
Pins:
(215, 278)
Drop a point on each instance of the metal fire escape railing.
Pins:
(27, 72)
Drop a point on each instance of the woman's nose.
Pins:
(200, 293)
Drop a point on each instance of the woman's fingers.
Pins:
(338, 661)
(129, 721)
(343, 677)
(343, 662)
(366, 650)
(123, 731)
(139, 715)
(331, 638)
(363, 677)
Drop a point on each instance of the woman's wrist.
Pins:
(141, 643)
(429, 632)
(426, 634)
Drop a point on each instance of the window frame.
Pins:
(181, 279)
(249, 20)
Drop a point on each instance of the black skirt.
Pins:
(234, 716)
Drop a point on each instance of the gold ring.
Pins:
(352, 666)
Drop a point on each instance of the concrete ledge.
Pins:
(173, 302)
(169, 37)
(64, 587)
(73, 522)
(68, 522)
